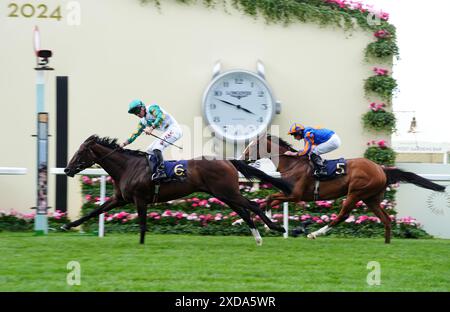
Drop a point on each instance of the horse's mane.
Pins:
(112, 143)
(282, 142)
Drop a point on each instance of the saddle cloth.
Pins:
(176, 170)
(335, 168)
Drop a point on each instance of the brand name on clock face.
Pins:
(239, 94)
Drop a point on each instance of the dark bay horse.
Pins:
(365, 180)
(132, 182)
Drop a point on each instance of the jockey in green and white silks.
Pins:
(154, 117)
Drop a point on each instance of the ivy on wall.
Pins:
(380, 153)
(378, 119)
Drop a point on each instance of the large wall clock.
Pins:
(239, 104)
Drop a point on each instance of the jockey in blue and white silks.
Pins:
(318, 141)
(154, 117)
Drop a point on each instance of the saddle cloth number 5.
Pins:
(340, 168)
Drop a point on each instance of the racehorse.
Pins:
(365, 180)
(132, 183)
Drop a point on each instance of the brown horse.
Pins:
(132, 182)
(365, 180)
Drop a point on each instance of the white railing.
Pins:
(13, 171)
(102, 173)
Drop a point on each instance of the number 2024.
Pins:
(28, 10)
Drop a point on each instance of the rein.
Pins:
(83, 165)
(109, 154)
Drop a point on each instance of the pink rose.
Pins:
(305, 217)
(350, 219)
(380, 71)
(86, 180)
(382, 34)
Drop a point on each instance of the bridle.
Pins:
(83, 164)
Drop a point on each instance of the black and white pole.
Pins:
(40, 219)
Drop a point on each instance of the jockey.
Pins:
(154, 117)
(317, 141)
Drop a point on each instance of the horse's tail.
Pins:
(395, 175)
(251, 173)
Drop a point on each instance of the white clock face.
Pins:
(238, 105)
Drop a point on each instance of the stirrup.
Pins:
(158, 175)
(320, 173)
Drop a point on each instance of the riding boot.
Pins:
(160, 172)
(319, 168)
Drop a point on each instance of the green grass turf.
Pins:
(215, 263)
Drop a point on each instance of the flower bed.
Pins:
(16, 221)
(206, 215)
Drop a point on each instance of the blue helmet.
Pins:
(134, 106)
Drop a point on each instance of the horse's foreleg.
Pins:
(321, 231)
(271, 199)
(142, 214)
(347, 207)
(106, 206)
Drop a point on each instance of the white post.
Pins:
(286, 219)
(101, 220)
(445, 160)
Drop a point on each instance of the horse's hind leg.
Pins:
(241, 201)
(373, 204)
(245, 215)
(258, 211)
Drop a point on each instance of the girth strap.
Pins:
(156, 194)
(316, 190)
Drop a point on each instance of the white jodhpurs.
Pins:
(333, 143)
(172, 134)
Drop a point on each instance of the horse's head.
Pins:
(265, 146)
(83, 158)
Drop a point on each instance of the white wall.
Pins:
(123, 50)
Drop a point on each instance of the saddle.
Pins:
(335, 168)
(176, 170)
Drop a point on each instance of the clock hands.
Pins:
(237, 106)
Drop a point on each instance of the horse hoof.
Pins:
(311, 236)
(64, 228)
(259, 242)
